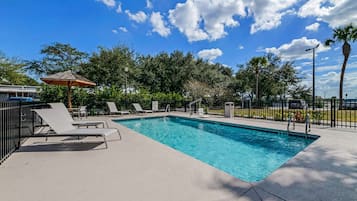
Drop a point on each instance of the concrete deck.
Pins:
(139, 168)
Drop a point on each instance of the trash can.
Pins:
(229, 109)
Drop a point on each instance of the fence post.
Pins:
(33, 121)
(20, 126)
(250, 105)
(282, 110)
(333, 112)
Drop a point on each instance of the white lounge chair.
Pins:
(114, 110)
(81, 112)
(59, 107)
(139, 109)
(155, 107)
(62, 127)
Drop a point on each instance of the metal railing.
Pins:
(17, 122)
(326, 113)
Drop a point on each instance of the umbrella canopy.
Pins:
(69, 79)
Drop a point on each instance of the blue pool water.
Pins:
(248, 154)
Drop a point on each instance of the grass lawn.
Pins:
(275, 114)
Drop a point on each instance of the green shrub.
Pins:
(96, 98)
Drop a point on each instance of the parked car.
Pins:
(297, 104)
(22, 99)
(349, 104)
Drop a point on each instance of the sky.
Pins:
(226, 31)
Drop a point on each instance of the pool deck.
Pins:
(138, 168)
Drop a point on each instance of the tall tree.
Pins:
(108, 67)
(287, 77)
(274, 78)
(57, 57)
(346, 35)
(257, 64)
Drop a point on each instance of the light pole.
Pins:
(313, 74)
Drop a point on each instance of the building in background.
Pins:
(8, 91)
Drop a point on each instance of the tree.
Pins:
(346, 35)
(165, 72)
(275, 78)
(287, 76)
(257, 64)
(171, 72)
(196, 89)
(57, 57)
(107, 67)
(300, 92)
(12, 72)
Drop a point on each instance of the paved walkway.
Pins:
(139, 168)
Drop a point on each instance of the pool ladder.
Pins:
(194, 102)
(167, 109)
(291, 119)
(307, 123)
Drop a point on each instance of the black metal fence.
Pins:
(324, 113)
(17, 123)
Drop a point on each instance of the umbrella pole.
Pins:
(69, 96)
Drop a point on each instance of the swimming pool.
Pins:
(250, 154)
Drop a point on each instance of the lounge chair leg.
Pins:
(46, 138)
(106, 123)
(105, 142)
(119, 133)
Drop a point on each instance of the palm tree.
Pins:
(343, 34)
(258, 63)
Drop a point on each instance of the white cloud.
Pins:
(115, 31)
(334, 12)
(123, 29)
(119, 10)
(202, 19)
(109, 3)
(297, 68)
(335, 67)
(159, 25)
(208, 19)
(210, 54)
(138, 17)
(324, 59)
(295, 50)
(241, 47)
(307, 63)
(149, 4)
(260, 49)
(313, 27)
(268, 13)
(327, 68)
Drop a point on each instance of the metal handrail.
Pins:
(291, 118)
(167, 109)
(307, 123)
(194, 102)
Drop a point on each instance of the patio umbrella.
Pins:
(69, 79)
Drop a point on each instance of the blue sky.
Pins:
(225, 31)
